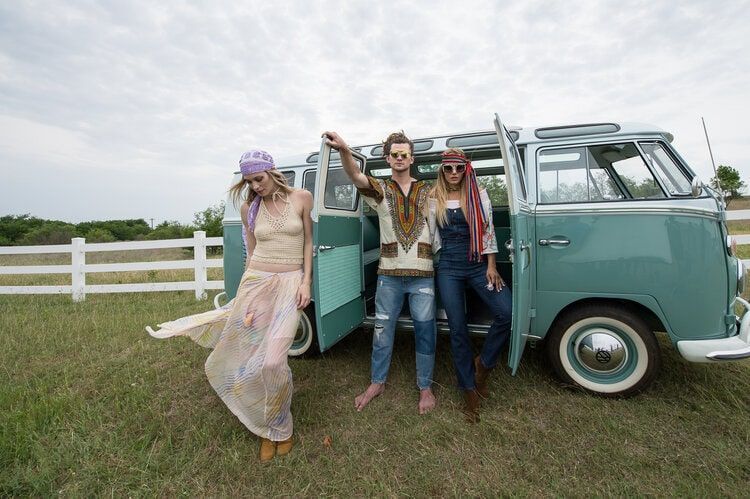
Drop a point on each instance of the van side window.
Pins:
(289, 177)
(605, 172)
(308, 181)
(666, 168)
(340, 192)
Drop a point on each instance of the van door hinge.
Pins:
(532, 312)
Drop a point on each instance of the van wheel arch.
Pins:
(606, 347)
(306, 339)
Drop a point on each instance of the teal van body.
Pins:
(605, 233)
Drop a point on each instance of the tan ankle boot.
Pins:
(267, 450)
(471, 406)
(284, 447)
(481, 376)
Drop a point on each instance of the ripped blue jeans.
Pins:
(389, 299)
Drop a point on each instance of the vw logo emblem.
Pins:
(603, 356)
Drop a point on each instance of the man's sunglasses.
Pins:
(454, 168)
(402, 155)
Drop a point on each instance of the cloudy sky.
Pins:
(141, 109)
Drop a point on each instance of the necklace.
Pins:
(454, 189)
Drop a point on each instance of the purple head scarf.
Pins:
(255, 161)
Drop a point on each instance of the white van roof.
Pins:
(522, 136)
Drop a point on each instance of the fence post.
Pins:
(201, 273)
(78, 274)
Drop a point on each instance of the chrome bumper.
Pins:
(733, 348)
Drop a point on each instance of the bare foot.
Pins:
(365, 397)
(427, 401)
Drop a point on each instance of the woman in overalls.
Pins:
(461, 222)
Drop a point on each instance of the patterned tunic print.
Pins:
(404, 233)
(407, 220)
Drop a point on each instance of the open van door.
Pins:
(338, 282)
(519, 245)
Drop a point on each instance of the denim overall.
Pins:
(454, 274)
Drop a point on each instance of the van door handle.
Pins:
(326, 248)
(527, 248)
(547, 242)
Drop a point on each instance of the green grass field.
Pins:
(91, 405)
(94, 406)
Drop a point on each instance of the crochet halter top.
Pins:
(278, 239)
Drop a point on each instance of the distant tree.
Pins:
(646, 188)
(122, 230)
(496, 189)
(210, 220)
(728, 180)
(170, 230)
(50, 233)
(14, 227)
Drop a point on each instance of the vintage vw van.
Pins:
(606, 235)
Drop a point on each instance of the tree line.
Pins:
(27, 230)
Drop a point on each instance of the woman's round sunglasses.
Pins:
(454, 168)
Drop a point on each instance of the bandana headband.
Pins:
(254, 161)
(476, 217)
(454, 159)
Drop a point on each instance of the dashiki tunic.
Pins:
(405, 243)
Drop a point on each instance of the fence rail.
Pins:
(79, 268)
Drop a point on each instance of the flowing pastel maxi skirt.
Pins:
(250, 336)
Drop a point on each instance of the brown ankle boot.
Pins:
(471, 406)
(267, 450)
(481, 376)
(284, 447)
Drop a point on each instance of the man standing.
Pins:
(405, 268)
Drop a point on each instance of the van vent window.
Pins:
(380, 172)
(666, 168)
(575, 130)
(476, 140)
(419, 146)
(313, 158)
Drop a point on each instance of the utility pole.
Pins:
(152, 224)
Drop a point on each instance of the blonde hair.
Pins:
(237, 189)
(439, 192)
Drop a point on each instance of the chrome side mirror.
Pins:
(696, 186)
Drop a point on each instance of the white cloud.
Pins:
(172, 93)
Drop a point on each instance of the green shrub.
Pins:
(99, 235)
(50, 233)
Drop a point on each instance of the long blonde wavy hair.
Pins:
(439, 192)
(237, 189)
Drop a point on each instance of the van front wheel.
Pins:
(604, 349)
(305, 340)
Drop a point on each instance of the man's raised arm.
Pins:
(347, 160)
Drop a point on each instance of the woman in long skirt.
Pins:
(252, 334)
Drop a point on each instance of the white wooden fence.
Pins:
(79, 268)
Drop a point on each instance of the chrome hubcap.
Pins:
(601, 351)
